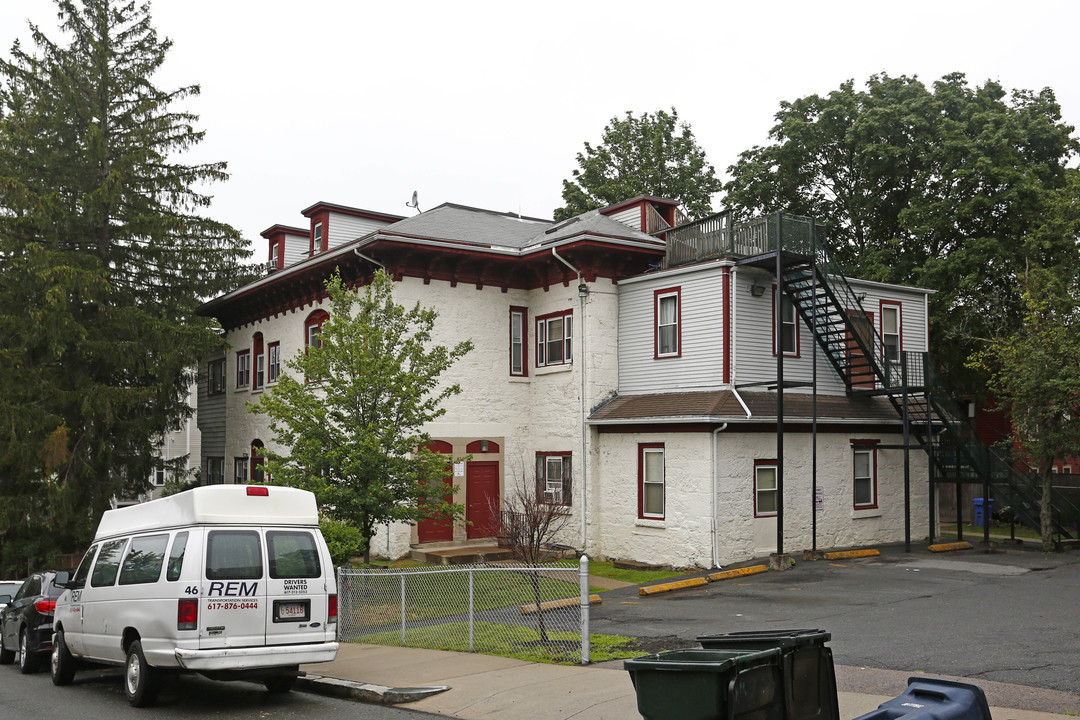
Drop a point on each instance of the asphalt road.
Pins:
(99, 695)
(1010, 617)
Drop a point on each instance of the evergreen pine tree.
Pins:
(104, 256)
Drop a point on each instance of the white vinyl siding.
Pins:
(346, 228)
(630, 217)
(753, 329)
(701, 362)
(296, 248)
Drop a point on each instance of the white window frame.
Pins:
(273, 363)
(869, 477)
(243, 369)
(260, 371)
(240, 470)
(759, 491)
(783, 323)
(518, 342)
(215, 470)
(316, 239)
(554, 471)
(565, 342)
(158, 480)
(886, 310)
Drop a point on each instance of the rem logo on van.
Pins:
(232, 589)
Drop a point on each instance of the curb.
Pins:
(847, 554)
(699, 581)
(366, 692)
(946, 547)
(530, 609)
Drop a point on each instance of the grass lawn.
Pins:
(512, 641)
(637, 577)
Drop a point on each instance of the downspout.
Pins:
(735, 339)
(715, 499)
(362, 256)
(583, 291)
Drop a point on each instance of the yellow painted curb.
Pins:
(945, 547)
(555, 604)
(737, 572)
(668, 587)
(845, 554)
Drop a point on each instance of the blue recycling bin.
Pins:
(982, 519)
(934, 699)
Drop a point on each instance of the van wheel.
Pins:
(27, 663)
(280, 685)
(141, 681)
(63, 664)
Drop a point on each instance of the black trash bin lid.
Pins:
(761, 639)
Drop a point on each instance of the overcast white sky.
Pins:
(486, 103)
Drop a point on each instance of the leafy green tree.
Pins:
(352, 412)
(1035, 374)
(654, 154)
(104, 255)
(946, 187)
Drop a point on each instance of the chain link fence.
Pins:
(536, 613)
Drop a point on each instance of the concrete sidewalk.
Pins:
(484, 686)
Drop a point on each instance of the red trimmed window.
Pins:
(766, 488)
(273, 362)
(317, 239)
(652, 488)
(260, 362)
(864, 474)
(667, 314)
(313, 328)
(243, 368)
(519, 341)
(275, 253)
(891, 331)
(785, 324)
(554, 333)
(553, 476)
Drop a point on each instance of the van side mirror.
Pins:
(62, 578)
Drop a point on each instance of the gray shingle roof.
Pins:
(458, 223)
(722, 405)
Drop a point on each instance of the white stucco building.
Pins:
(628, 369)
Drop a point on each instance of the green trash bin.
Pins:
(699, 684)
(808, 671)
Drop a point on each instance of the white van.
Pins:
(231, 581)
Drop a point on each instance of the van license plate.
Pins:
(286, 611)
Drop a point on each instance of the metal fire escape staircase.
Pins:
(939, 424)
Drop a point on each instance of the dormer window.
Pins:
(317, 239)
(275, 254)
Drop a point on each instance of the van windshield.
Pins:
(233, 555)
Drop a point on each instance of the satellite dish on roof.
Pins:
(414, 203)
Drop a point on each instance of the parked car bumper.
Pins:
(256, 657)
(39, 639)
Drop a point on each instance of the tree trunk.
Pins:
(1046, 524)
(535, 577)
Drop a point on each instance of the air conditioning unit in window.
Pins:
(271, 266)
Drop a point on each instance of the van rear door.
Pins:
(296, 587)
(233, 605)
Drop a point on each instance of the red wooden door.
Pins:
(859, 370)
(481, 499)
(439, 529)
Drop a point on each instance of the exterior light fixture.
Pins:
(757, 290)
(483, 446)
(582, 290)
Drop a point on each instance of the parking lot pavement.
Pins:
(1006, 617)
